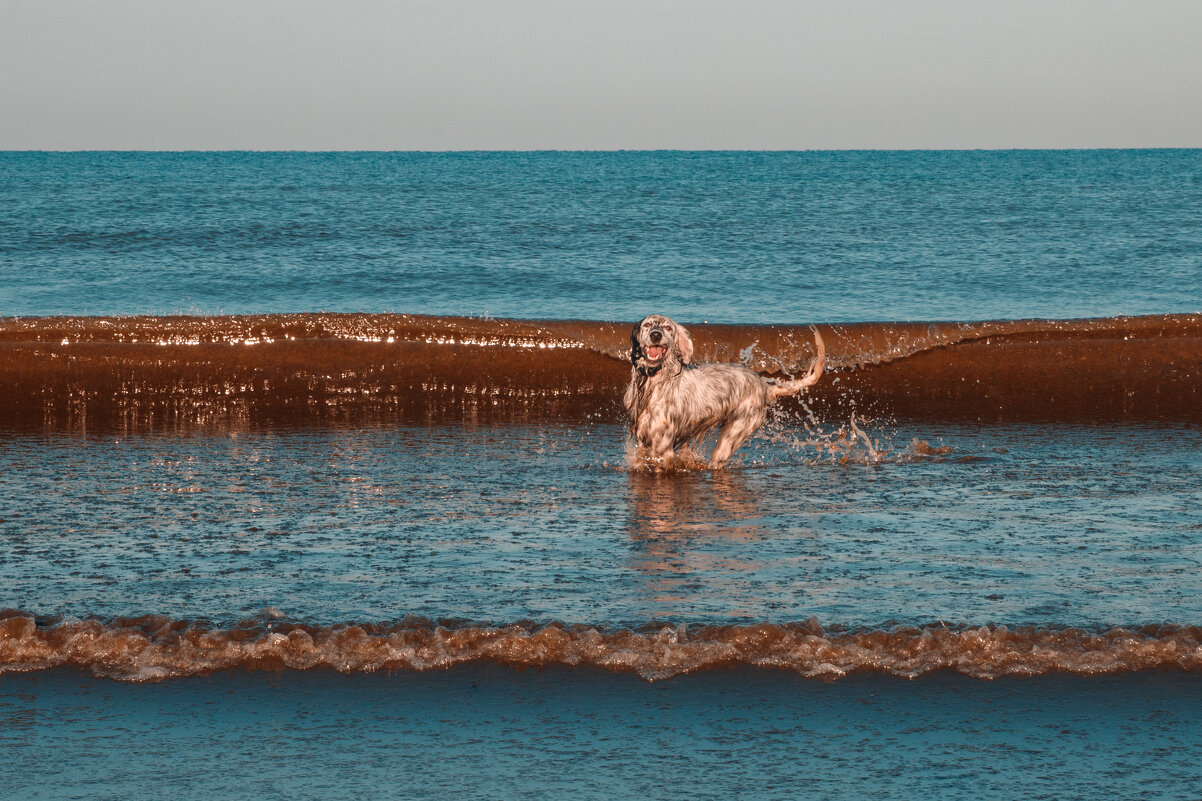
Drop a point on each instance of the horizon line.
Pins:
(609, 150)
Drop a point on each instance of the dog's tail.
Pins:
(780, 389)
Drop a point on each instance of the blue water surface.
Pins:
(717, 236)
(488, 732)
(1025, 525)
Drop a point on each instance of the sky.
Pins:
(619, 74)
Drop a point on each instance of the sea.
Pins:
(316, 482)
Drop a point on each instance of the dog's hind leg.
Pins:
(735, 433)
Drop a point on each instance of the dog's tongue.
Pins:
(655, 351)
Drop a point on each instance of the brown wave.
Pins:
(317, 368)
(156, 647)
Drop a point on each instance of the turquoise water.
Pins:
(494, 733)
(1044, 525)
(725, 237)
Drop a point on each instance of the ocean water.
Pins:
(724, 237)
(315, 480)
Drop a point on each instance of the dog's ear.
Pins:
(684, 344)
(636, 350)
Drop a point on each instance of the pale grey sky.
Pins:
(569, 74)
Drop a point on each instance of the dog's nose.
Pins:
(656, 335)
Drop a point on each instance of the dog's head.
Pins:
(658, 340)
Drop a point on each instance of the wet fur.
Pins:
(671, 401)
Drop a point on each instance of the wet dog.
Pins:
(671, 401)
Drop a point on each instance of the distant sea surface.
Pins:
(725, 237)
(315, 480)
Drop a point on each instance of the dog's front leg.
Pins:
(661, 451)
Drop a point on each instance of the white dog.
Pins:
(671, 401)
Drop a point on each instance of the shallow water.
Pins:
(409, 531)
(1046, 524)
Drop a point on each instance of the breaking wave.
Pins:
(157, 647)
(318, 368)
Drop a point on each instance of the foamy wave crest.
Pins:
(157, 647)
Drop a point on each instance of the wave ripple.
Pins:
(157, 647)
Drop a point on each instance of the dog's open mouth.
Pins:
(655, 352)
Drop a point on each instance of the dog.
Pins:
(671, 401)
